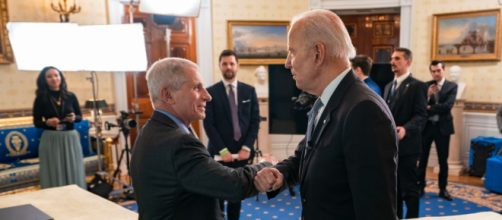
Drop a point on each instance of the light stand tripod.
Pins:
(125, 125)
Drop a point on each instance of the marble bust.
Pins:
(455, 72)
(261, 84)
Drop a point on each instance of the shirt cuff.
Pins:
(246, 148)
(224, 152)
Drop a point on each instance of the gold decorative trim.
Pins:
(6, 55)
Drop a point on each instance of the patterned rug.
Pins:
(467, 199)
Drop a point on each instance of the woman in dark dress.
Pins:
(60, 152)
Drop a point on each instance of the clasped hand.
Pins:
(268, 179)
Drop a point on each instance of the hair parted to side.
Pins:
(407, 52)
(364, 62)
(228, 52)
(325, 26)
(167, 72)
(437, 62)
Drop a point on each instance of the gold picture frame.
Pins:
(6, 55)
(258, 42)
(466, 36)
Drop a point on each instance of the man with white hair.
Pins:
(173, 175)
(346, 164)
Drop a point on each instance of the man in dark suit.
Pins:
(232, 120)
(406, 97)
(346, 164)
(173, 175)
(441, 95)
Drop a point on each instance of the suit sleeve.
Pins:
(415, 125)
(371, 161)
(254, 122)
(446, 106)
(290, 168)
(199, 173)
(211, 131)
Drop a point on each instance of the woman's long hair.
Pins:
(43, 87)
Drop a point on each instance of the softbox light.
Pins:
(186, 8)
(70, 47)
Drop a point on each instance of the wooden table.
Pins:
(69, 202)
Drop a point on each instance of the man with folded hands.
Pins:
(232, 120)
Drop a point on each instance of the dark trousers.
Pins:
(432, 133)
(233, 208)
(407, 186)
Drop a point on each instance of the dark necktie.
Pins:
(233, 112)
(393, 91)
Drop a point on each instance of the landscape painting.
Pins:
(467, 36)
(258, 42)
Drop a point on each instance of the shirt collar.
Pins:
(441, 83)
(226, 83)
(177, 121)
(330, 89)
(401, 78)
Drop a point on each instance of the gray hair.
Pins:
(169, 73)
(325, 26)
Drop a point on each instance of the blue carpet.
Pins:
(285, 206)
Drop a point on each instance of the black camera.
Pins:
(123, 121)
(303, 101)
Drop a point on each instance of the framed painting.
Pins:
(6, 55)
(383, 28)
(466, 36)
(259, 42)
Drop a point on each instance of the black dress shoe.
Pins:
(445, 195)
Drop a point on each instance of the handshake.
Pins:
(268, 179)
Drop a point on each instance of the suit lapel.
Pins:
(403, 88)
(325, 118)
(222, 93)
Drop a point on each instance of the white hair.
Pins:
(326, 27)
(167, 72)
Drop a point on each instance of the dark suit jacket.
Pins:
(175, 178)
(409, 110)
(218, 121)
(442, 107)
(349, 170)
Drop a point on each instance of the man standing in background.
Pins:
(441, 95)
(406, 98)
(361, 65)
(232, 120)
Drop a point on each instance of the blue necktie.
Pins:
(233, 112)
(312, 115)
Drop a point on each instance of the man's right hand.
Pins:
(268, 179)
(227, 158)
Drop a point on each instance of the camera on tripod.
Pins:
(123, 122)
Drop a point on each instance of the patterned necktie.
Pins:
(233, 112)
(312, 118)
